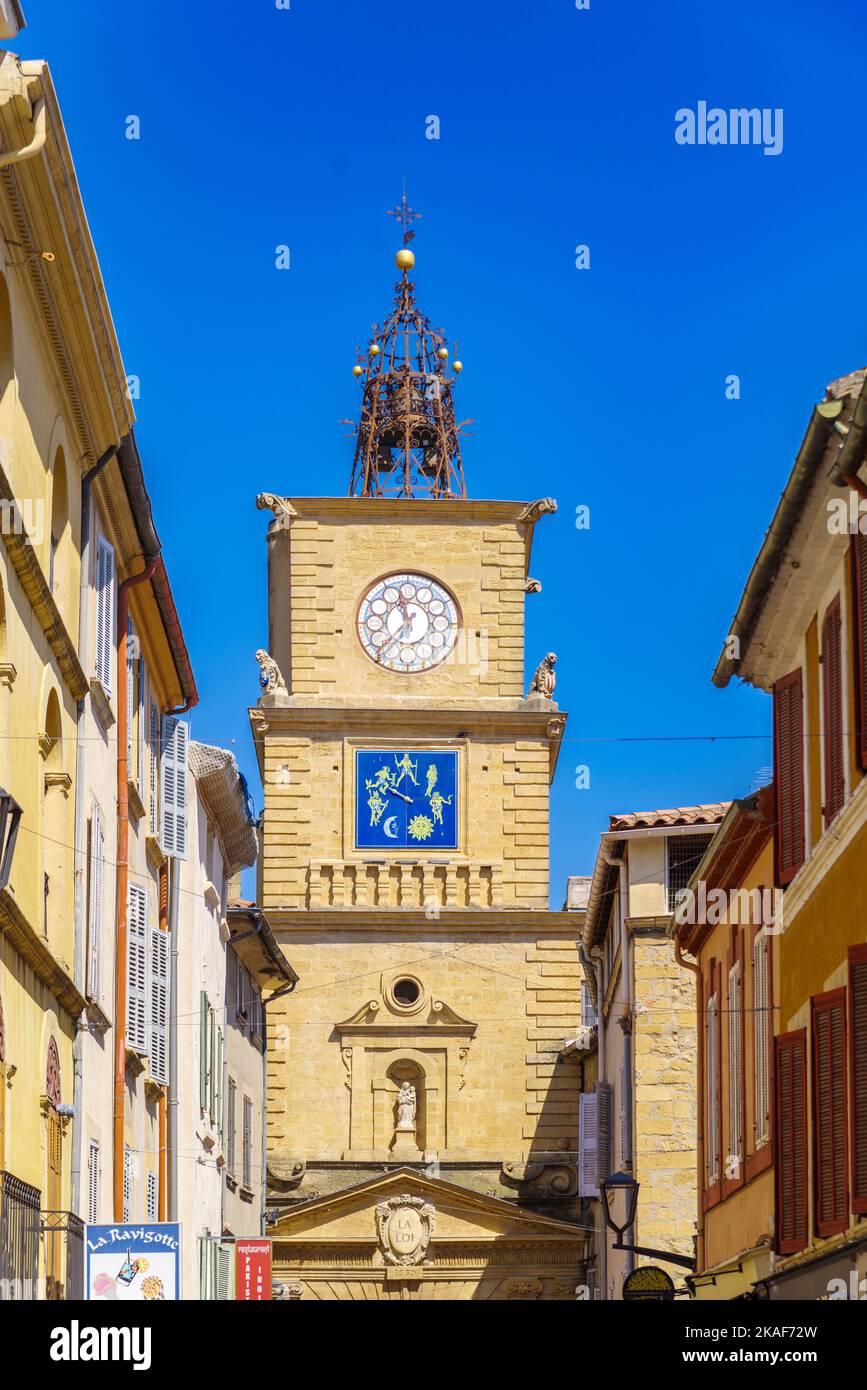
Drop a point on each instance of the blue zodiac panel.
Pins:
(406, 799)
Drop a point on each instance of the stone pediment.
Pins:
(450, 1215)
(381, 1015)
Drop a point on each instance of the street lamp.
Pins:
(10, 815)
(609, 1188)
(624, 1182)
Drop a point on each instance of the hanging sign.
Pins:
(133, 1263)
(252, 1270)
(648, 1281)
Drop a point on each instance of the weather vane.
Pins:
(404, 215)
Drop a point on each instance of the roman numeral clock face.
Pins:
(408, 622)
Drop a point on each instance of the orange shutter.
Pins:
(859, 640)
(858, 1074)
(832, 695)
(789, 775)
(830, 1128)
(791, 1118)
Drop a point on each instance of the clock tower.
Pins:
(422, 1123)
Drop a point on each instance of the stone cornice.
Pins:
(34, 949)
(531, 922)
(41, 600)
(410, 721)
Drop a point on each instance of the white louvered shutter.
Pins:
(158, 1050)
(130, 696)
(94, 1177)
(137, 969)
(154, 766)
(224, 1272)
(94, 911)
(104, 613)
(142, 714)
(587, 1144)
(152, 1210)
(127, 1184)
(761, 1001)
(173, 787)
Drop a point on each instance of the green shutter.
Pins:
(203, 1050)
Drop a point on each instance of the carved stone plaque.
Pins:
(404, 1226)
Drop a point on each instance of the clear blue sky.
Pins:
(604, 387)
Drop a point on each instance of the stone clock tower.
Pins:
(422, 1126)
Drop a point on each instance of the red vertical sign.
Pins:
(252, 1270)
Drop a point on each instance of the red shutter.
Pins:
(791, 1136)
(859, 640)
(858, 1074)
(832, 694)
(830, 1126)
(789, 775)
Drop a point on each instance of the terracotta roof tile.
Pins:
(678, 815)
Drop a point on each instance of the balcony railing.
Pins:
(63, 1237)
(19, 1239)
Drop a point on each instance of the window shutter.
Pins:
(218, 1083)
(137, 968)
(212, 1062)
(152, 1197)
(203, 1050)
(859, 640)
(761, 1049)
(159, 1011)
(142, 707)
(604, 1102)
(230, 1127)
(93, 1182)
(130, 697)
(624, 1154)
(94, 924)
(104, 613)
(832, 698)
(830, 1120)
(173, 787)
(858, 1074)
(127, 1184)
(736, 1093)
(789, 775)
(154, 764)
(587, 1143)
(712, 1096)
(247, 1176)
(225, 1266)
(791, 1126)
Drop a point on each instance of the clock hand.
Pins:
(394, 792)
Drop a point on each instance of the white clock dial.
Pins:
(408, 622)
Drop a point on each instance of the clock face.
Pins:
(408, 622)
(406, 798)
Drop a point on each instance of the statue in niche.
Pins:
(406, 1106)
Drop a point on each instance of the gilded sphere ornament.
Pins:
(357, 370)
(404, 260)
(458, 367)
(442, 353)
(374, 349)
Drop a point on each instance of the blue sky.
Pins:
(603, 387)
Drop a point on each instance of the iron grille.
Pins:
(685, 853)
(19, 1239)
(64, 1254)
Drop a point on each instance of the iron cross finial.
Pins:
(405, 215)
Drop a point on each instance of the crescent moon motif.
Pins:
(392, 834)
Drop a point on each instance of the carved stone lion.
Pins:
(270, 677)
(544, 680)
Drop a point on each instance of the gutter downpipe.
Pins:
(161, 1176)
(122, 880)
(699, 1102)
(593, 973)
(80, 856)
(35, 145)
(625, 1022)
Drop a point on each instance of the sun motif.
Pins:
(421, 827)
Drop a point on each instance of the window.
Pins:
(247, 1158)
(173, 787)
(95, 859)
(791, 1128)
(588, 1012)
(712, 1098)
(137, 968)
(736, 1080)
(830, 1119)
(588, 1181)
(210, 1062)
(104, 637)
(858, 1065)
(127, 1183)
(762, 1035)
(684, 853)
(832, 705)
(94, 1182)
(859, 640)
(152, 1209)
(158, 1051)
(230, 1126)
(789, 776)
(154, 741)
